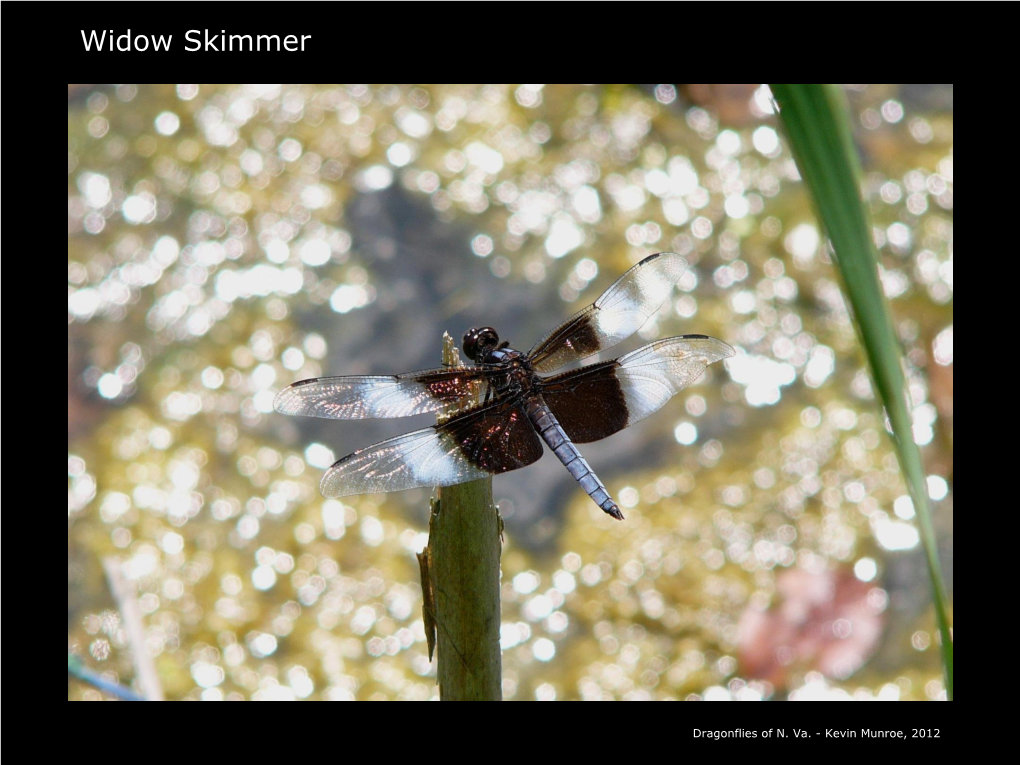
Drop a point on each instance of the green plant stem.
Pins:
(817, 125)
(463, 568)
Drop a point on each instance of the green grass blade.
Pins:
(817, 125)
(75, 668)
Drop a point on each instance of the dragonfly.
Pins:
(495, 415)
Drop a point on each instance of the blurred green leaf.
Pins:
(817, 126)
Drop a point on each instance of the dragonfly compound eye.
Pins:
(479, 340)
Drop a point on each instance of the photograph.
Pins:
(480, 392)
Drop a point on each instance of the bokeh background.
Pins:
(225, 241)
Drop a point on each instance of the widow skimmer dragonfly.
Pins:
(502, 409)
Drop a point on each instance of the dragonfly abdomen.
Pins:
(553, 434)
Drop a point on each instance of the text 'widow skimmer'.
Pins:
(503, 408)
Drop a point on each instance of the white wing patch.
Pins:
(634, 297)
(652, 375)
(618, 313)
(423, 458)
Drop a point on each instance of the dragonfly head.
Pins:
(478, 341)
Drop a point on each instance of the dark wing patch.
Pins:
(496, 439)
(373, 396)
(598, 400)
(588, 402)
(477, 443)
(616, 315)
